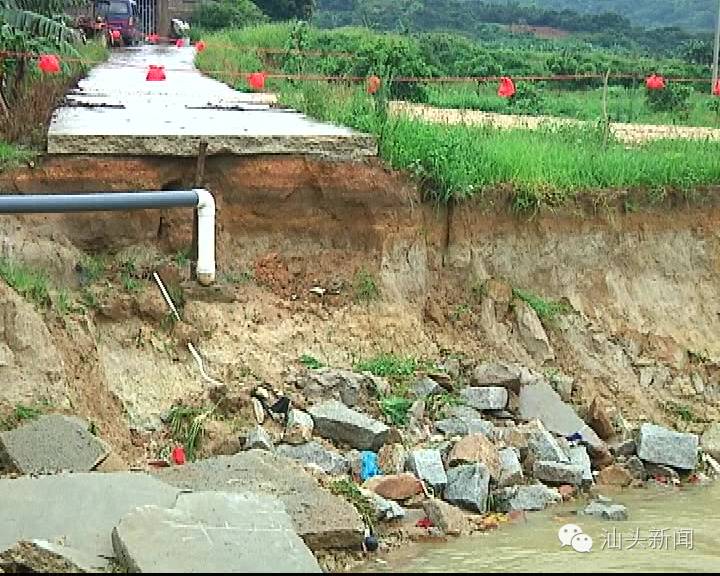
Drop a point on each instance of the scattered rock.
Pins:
(543, 445)
(615, 475)
(416, 414)
(425, 387)
(636, 468)
(258, 438)
(212, 532)
(710, 441)
(427, 465)
(663, 446)
(615, 512)
(448, 518)
(532, 332)
(497, 374)
(299, 427)
(468, 486)
(40, 556)
(258, 410)
(660, 471)
(599, 420)
(539, 400)
(384, 509)
(485, 397)
(600, 457)
(579, 456)
(344, 385)
(532, 497)
(476, 448)
(51, 443)
(322, 519)
(395, 487)
(623, 448)
(391, 458)
(316, 455)
(511, 472)
(93, 502)
(558, 472)
(337, 422)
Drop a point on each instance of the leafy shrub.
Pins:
(673, 98)
(217, 14)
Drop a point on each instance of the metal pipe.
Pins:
(122, 201)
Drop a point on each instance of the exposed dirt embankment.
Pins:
(638, 291)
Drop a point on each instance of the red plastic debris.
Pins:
(155, 73)
(506, 88)
(49, 64)
(655, 82)
(424, 523)
(373, 84)
(256, 80)
(180, 42)
(200, 46)
(178, 455)
(716, 89)
(153, 38)
(115, 34)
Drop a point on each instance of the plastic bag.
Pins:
(368, 465)
(506, 88)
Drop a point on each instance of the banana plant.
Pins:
(39, 18)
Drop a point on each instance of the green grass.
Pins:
(31, 284)
(395, 409)
(310, 362)
(547, 310)
(364, 286)
(389, 366)
(349, 490)
(545, 167)
(187, 424)
(12, 156)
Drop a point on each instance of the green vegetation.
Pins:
(31, 284)
(12, 156)
(365, 287)
(187, 424)
(128, 276)
(436, 405)
(310, 362)
(547, 310)
(682, 411)
(546, 167)
(389, 366)
(395, 409)
(22, 413)
(349, 490)
(217, 14)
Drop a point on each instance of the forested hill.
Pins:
(693, 15)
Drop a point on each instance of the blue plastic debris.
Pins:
(368, 465)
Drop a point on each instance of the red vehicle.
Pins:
(121, 16)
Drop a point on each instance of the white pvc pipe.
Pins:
(206, 237)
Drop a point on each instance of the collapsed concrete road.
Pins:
(115, 110)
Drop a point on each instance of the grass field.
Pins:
(544, 167)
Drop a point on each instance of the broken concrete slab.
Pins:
(664, 446)
(322, 519)
(485, 397)
(558, 472)
(532, 497)
(539, 400)
(51, 443)
(335, 421)
(468, 486)
(316, 455)
(427, 465)
(532, 333)
(497, 374)
(212, 532)
(40, 508)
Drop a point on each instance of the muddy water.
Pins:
(637, 545)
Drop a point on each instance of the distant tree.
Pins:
(287, 9)
(216, 14)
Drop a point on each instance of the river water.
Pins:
(667, 531)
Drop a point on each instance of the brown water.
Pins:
(639, 544)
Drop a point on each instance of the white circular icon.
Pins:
(581, 543)
(567, 533)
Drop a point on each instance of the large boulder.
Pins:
(299, 427)
(485, 397)
(337, 422)
(710, 441)
(322, 519)
(395, 486)
(497, 374)
(338, 384)
(615, 475)
(539, 400)
(52, 443)
(314, 454)
(391, 458)
(558, 472)
(532, 332)
(543, 445)
(464, 420)
(212, 532)
(579, 456)
(468, 486)
(427, 465)
(511, 472)
(532, 497)
(663, 446)
(476, 448)
(449, 519)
